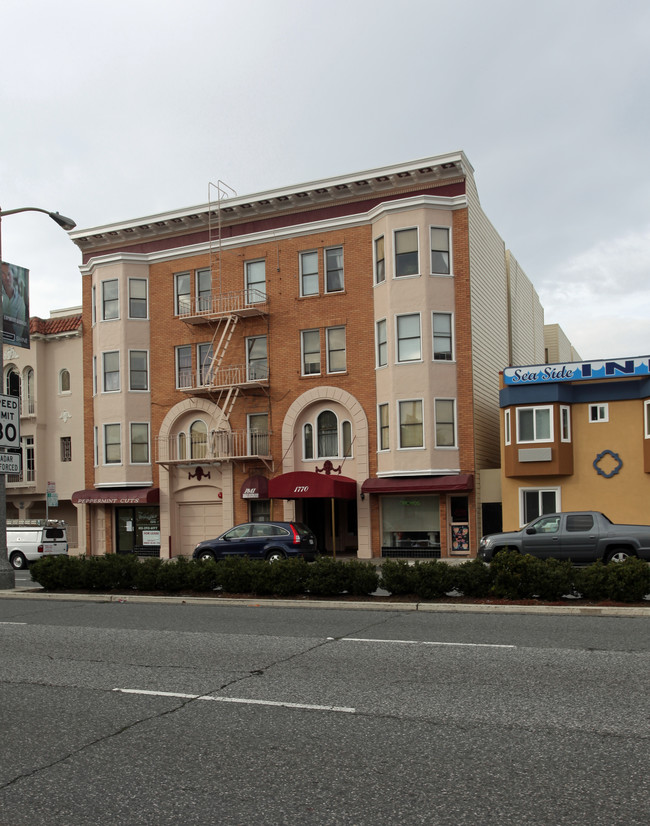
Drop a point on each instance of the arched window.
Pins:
(182, 446)
(12, 382)
(308, 441)
(64, 381)
(328, 437)
(29, 402)
(198, 440)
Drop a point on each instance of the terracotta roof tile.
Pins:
(54, 326)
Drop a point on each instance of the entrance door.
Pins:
(137, 530)
(317, 515)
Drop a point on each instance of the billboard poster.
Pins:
(15, 305)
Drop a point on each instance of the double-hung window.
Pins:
(380, 260)
(384, 432)
(138, 370)
(137, 297)
(309, 273)
(112, 444)
(598, 412)
(257, 363)
(203, 289)
(334, 270)
(407, 260)
(440, 251)
(139, 443)
(204, 362)
(255, 282)
(184, 367)
(327, 426)
(258, 434)
(445, 412)
(409, 344)
(565, 423)
(442, 339)
(534, 424)
(535, 502)
(182, 293)
(192, 291)
(110, 300)
(335, 337)
(411, 430)
(310, 345)
(382, 343)
(111, 371)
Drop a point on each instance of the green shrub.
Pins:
(326, 577)
(397, 577)
(235, 575)
(628, 581)
(362, 577)
(146, 575)
(432, 579)
(553, 579)
(472, 578)
(514, 575)
(591, 582)
(58, 572)
(202, 576)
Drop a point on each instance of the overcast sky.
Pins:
(117, 110)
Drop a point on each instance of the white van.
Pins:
(33, 539)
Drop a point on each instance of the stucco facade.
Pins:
(350, 330)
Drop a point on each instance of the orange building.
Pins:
(327, 352)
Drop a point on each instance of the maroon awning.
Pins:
(303, 484)
(255, 487)
(123, 496)
(419, 484)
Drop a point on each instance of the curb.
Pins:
(424, 607)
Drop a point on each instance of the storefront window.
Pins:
(410, 522)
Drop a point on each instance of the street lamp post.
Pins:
(7, 576)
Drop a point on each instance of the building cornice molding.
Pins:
(265, 236)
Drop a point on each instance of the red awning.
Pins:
(255, 487)
(123, 496)
(419, 484)
(302, 484)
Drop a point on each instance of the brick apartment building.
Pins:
(328, 352)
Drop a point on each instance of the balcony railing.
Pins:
(219, 445)
(239, 375)
(238, 302)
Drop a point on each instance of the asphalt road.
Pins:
(121, 713)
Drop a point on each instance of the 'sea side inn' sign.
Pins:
(578, 370)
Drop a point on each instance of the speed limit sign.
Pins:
(9, 422)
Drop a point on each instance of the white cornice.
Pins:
(360, 219)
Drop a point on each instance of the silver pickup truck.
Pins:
(581, 536)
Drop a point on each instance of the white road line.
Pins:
(240, 700)
(424, 642)
(13, 623)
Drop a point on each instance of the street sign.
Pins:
(52, 499)
(9, 423)
(9, 462)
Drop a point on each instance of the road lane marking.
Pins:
(240, 700)
(13, 623)
(425, 642)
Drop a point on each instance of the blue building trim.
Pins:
(563, 393)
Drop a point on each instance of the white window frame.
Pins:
(146, 371)
(327, 270)
(204, 359)
(381, 345)
(376, 259)
(325, 455)
(96, 445)
(535, 410)
(118, 371)
(383, 427)
(646, 419)
(255, 294)
(399, 340)
(401, 402)
(454, 423)
(452, 355)
(93, 305)
(62, 391)
(431, 251)
(131, 443)
(259, 373)
(254, 437)
(144, 281)
(557, 491)
(507, 427)
(330, 350)
(105, 452)
(307, 442)
(115, 300)
(396, 233)
(565, 423)
(94, 375)
(598, 412)
(178, 310)
(187, 370)
(310, 275)
(303, 372)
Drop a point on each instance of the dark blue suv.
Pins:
(261, 540)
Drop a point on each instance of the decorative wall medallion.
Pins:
(65, 416)
(606, 468)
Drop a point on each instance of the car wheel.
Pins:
(207, 556)
(618, 555)
(18, 561)
(275, 555)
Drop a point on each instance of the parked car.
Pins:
(34, 539)
(581, 536)
(261, 540)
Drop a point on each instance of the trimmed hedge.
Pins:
(509, 576)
